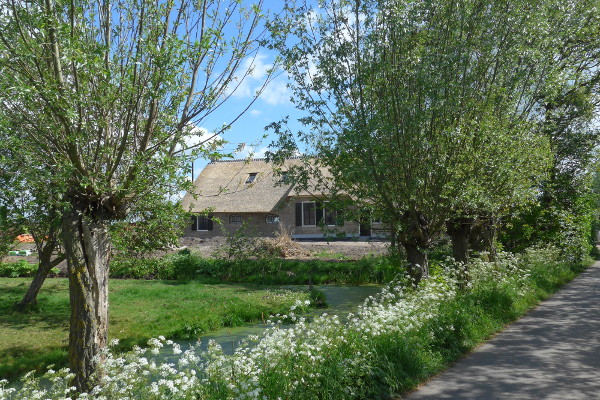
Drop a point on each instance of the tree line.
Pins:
(453, 117)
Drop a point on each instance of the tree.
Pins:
(28, 208)
(105, 94)
(9, 226)
(563, 214)
(419, 109)
(149, 230)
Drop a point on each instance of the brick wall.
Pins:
(257, 225)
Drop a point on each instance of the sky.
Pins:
(273, 105)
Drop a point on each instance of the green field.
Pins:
(139, 310)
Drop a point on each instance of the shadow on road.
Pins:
(552, 353)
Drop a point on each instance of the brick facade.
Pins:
(257, 224)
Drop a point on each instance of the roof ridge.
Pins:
(250, 159)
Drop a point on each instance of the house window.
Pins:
(205, 223)
(306, 213)
(272, 219)
(235, 219)
(309, 213)
(330, 217)
(251, 177)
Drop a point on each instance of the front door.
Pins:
(365, 227)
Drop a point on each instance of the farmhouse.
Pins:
(232, 193)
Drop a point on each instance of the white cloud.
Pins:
(252, 152)
(257, 69)
(274, 93)
(255, 112)
(199, 136)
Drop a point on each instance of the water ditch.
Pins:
(341, 300)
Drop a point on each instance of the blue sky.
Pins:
(272, 105)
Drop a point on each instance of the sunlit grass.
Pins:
(139, 310)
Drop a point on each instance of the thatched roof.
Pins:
(222, 187)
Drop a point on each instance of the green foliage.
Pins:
(146, 231)
(17, 269)
(240, 243)
(268, 271)
(569, 228)
(414, 109)
(22, 268)
(566, 206)
(317, 298)
(404, 116)
(139, 310)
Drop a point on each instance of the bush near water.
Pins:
(267, 271)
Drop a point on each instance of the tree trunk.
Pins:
(483, 237)
(87, 247)
(418, 267)
(491, 232)
(392, 239)
(44, 266)
(459, 229)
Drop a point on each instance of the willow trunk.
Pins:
(418, 263)
(459, 230)
(44, 266)
(87, 247)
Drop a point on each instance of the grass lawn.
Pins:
(139, 310)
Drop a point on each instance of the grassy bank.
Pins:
(265, 271)
(139, 310)
(398, 339)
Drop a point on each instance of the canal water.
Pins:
(341, 300)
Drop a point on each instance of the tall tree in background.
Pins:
(427, 111)
(105, 94)
(10, 225)
(570, 105)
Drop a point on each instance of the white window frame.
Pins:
(274, 217)
(198, 223)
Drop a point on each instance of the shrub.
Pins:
(268, 271)
(17, 269)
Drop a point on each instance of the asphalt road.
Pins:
(551, 353)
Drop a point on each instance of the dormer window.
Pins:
(251, 177)
(284, 177)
